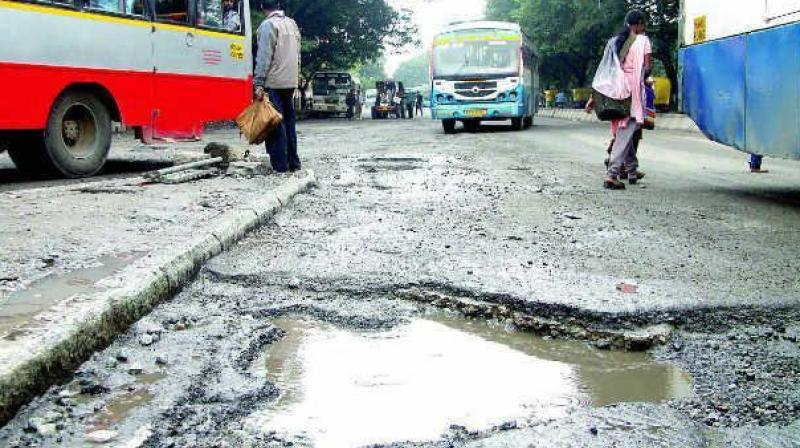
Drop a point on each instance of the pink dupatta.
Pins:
(633, 66)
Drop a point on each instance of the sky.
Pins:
(430, 16)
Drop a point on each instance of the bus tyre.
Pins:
(449, 126)
(516, 124)
(78, 134)
(528, 122)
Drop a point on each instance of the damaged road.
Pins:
(503, 243)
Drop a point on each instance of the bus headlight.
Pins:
(439, 98)
(512, 96)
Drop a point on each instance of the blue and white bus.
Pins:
(483, 71)
(740, 73)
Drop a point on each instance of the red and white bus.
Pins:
(69, 68)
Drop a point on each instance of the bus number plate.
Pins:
(476, 113)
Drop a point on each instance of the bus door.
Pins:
(177, 60)
(225, 73)
(202, 65)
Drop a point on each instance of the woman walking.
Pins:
(633, 49)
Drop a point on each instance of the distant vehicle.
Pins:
(71, 68)
(386, 102)
(483, 71)
(740, 67)
(329, 93)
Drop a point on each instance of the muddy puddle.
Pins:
(19, 307)
(343, 388)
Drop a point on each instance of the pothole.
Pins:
(375, 164)
(345, 388)
(19, 307)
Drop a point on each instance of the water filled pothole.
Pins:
(343, 388)
(21, 306)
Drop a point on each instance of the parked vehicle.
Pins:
(740, 66)
(483, 71)
(330, 91)
(69, 69)
(386, 102)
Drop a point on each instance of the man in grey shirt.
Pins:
(277, 74)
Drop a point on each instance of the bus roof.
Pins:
(481, 24)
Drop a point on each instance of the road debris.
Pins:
(627, 288)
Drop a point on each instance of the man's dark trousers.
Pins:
(282, 143)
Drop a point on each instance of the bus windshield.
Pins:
(330, 83)
(479, 52)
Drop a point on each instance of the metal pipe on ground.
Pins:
(153, 175)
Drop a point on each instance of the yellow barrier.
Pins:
(550, 98)
(663, 88)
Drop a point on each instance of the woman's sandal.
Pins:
(636, 176)
(613, 184)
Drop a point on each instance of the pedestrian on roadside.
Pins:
(410, 100)
(350, 100)
(637, 138)
(419, 105)
(277, 75)
(633, 49)
(401, 100)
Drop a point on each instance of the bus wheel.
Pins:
(78, 134)
(528, 122)
(516, 124)
(449, 126)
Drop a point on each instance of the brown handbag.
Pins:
(258, 120)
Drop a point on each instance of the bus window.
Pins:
(209, 13)
(134, 7)
(172, 11)
(103, 5)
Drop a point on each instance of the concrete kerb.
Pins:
(66, 335)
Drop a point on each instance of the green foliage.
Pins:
(570, 34)
(414, 72)
(371, 72)
(343, 34)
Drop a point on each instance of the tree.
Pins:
(663, 30)
(414, 72)
(502, 9)
(570, 34)
(371, 72)
(343, 34)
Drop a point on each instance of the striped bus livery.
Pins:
(161, 67)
